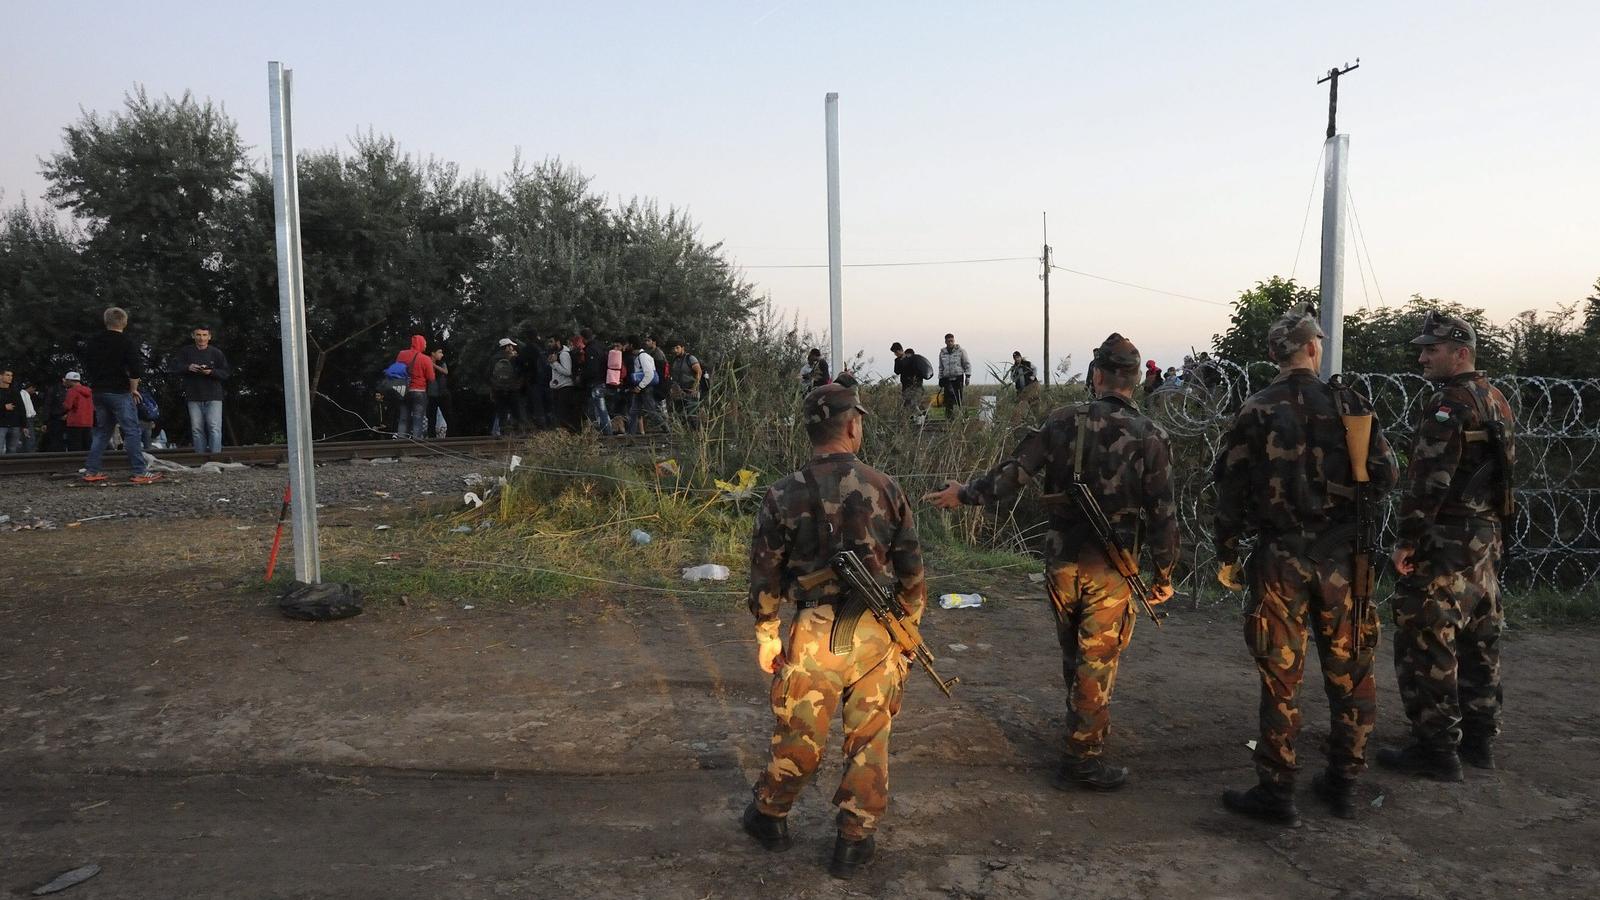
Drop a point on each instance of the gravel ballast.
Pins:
(254, 493)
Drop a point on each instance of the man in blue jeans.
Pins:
(113, 367)
(202, 368)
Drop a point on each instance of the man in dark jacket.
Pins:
(113, 366)
(13, 416)
(201, 369)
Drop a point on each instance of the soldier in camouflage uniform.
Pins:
(1124, 460)
(836, 502)
(1447, 604)
(1283, 474)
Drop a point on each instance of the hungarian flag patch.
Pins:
(1442, 415)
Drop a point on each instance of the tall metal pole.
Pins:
(292, 324)
(1045, 259)
(835, 304)
(1336, 149)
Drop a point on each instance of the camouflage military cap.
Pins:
(828, 401)
(1438, 327)
(1116, 352)
(1295, 329)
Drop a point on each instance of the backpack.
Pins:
(397, 377)
(148, 411)
(613, 368)
(924, 368)
(503, 375)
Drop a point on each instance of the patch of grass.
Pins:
(1549, 606)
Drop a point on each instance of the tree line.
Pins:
(1563, 343)
(159, 208)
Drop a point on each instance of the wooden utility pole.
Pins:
(1333, 92)
(1045, 259)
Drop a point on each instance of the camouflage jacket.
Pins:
(860, 509)
(1126, 467)
(1453, 470)
(1284, 468)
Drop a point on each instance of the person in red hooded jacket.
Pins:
(419, 365)
(79, 408)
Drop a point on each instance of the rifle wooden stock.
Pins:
(1357, 441)
(1357, 438)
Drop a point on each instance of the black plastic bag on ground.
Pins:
(320, 602)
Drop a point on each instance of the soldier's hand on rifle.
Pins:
(1403, 562)
(1160, 594)
(948, 497)
(1228, 577)
(769, 646)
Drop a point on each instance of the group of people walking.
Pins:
(1297, 460)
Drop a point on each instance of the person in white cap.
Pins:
(507, 378)
(78, 412)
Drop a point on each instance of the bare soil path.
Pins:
(170, 726)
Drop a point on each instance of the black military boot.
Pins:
(771, 831)
(1336, 791)
(1415, 759)
(1093, 774)
(1477, 750)
(850, 857)
(1266, 805)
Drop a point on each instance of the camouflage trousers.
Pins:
(1448, 622)
(1094, 622)
(806, 692)
(1294, 598)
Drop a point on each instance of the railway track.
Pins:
(59, 464)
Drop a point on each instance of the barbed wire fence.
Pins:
(1554, 541)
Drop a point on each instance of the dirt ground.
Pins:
(170, 726)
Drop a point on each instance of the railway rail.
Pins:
(66, 464)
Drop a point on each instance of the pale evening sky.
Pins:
(1173, 144)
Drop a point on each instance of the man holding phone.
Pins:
(202, 368)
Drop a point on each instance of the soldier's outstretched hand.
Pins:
(948, 497)
(1160, 594)
(1403, 562)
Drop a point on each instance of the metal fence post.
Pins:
(292, 324)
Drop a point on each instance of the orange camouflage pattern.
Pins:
(836, 502)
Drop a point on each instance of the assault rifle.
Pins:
(862, 590)
(1089, 510)
(1357, 439)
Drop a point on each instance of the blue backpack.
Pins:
(397, 377)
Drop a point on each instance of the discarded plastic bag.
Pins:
(707, 572)
(960, 601)
(640, 536)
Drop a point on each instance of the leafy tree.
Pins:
(1253, 314)
(1379, 340)
(1591, 315)
(46, 294)
(149, 186)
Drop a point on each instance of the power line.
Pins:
(1366, 300)
(1362, 235)
(1139, 286)
(884, 265)
(1306, 220)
